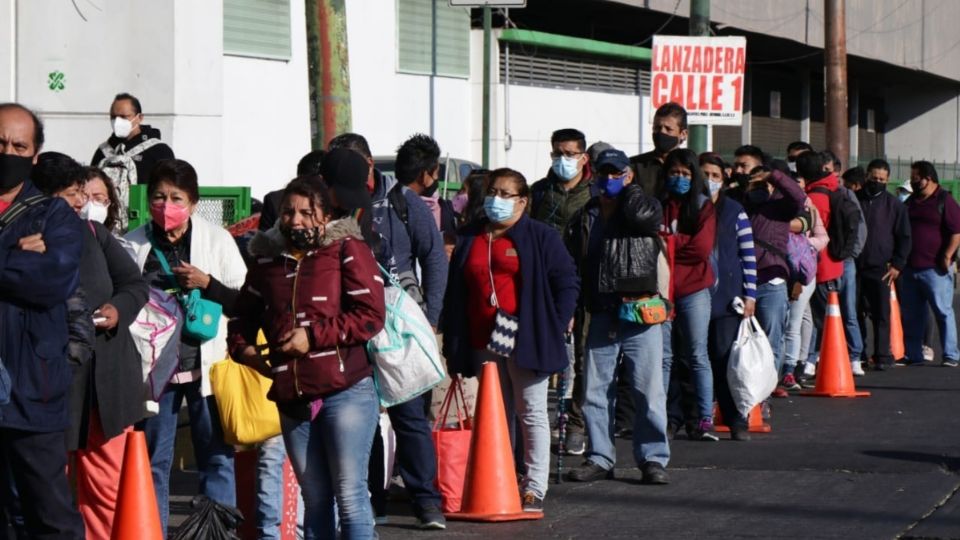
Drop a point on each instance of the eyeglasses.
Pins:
(493, 192)
(556, 155)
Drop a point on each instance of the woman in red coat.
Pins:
(316, 292)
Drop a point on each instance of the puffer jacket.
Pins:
(335, 292)
(628, 260)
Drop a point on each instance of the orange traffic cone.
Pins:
(137, 515)
(490, 492)
(897, 349)
(834, 374)
(755, 423)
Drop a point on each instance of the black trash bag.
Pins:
(210, 520)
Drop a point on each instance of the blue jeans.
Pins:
(270, 490)
(214, 457)
(919, 289)
(793, 338)
(642, 348)
(415, 452)
(330, 456)
(689, 331)
(848, 309)
(771, 312)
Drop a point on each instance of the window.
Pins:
(774, 104)
(257, 28)
(414, 38)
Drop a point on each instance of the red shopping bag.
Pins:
(452, 444)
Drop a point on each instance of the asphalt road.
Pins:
(886, 466)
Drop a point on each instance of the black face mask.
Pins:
(14, 170)
(428, 192)
(302, 239)
(664, 143)
(873, 188)
(917, 186)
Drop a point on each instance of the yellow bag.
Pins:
(247, 416)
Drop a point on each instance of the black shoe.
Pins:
(672, 430)
(739, 434)
(576, 444)
(589, 472)
(654, 473)
(431, 518)
(532, 503)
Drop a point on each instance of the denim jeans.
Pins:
(688, 332)
(214, 457)
(270, 490)
(642, 348)
(771, 312)
(525, 398)
(415, 452)
(329, 456)
(921, 288)
(846, 287)
(793, 338)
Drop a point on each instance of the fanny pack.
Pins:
(649, 311)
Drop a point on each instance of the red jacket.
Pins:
(692, 271)
(336, 292)
(828, 268)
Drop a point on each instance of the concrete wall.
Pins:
(923, 127)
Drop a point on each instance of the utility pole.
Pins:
(699, 26)
(835, 62)
(329, 73)
(485, 130)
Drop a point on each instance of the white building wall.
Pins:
(266, 114)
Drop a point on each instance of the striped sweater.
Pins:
(734, 259)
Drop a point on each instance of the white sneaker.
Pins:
(857, 369)
(809, 369)
(927, 353)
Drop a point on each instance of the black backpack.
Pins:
(844, 223)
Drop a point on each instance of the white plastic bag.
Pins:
(406, 358)
(752, 371)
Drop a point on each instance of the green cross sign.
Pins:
(56, 81)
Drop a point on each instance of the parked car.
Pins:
(453, 171)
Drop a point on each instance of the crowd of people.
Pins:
(628, 277)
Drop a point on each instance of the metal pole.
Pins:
(329, 73)
(433, 67)
(485, 135)
(835, 61)
(699, 26)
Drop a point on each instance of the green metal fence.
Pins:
(218, 204)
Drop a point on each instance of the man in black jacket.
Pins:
(615, 240)
(883, 257)
(132, 138)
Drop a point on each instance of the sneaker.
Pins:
(576, 443)
(809, 370)
(654, 473)
(928, 354)
(779, 393)
(857, 369)
(949, 363)
(532, 503)
(589, 472)
(431, 518)
(704, 428)
(789, 382)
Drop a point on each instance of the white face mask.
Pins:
(122, 127)
(94, 211)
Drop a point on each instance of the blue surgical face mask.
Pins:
(497, 209)
(567, 168)
(903, 196)
(612, 185)
(714, 187)
(678, 185)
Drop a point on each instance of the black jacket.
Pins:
(146, 161)
(646, 168)
(889, 241)
(113, 381)
(622, 261)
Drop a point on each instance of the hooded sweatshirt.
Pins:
(145, 161)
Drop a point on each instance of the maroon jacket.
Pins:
(335, 291)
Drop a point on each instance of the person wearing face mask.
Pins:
(512, 263)
(929, 274)
(133, 149)
(103, 204)
(689, 221)
(41, 244)
(773, 200)
(201, 256)
(794, 150)
(883, 258)
(669, 132)
(735, 264)
(322, 379)
(615, 240)
(569, 183)
(106, 396)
